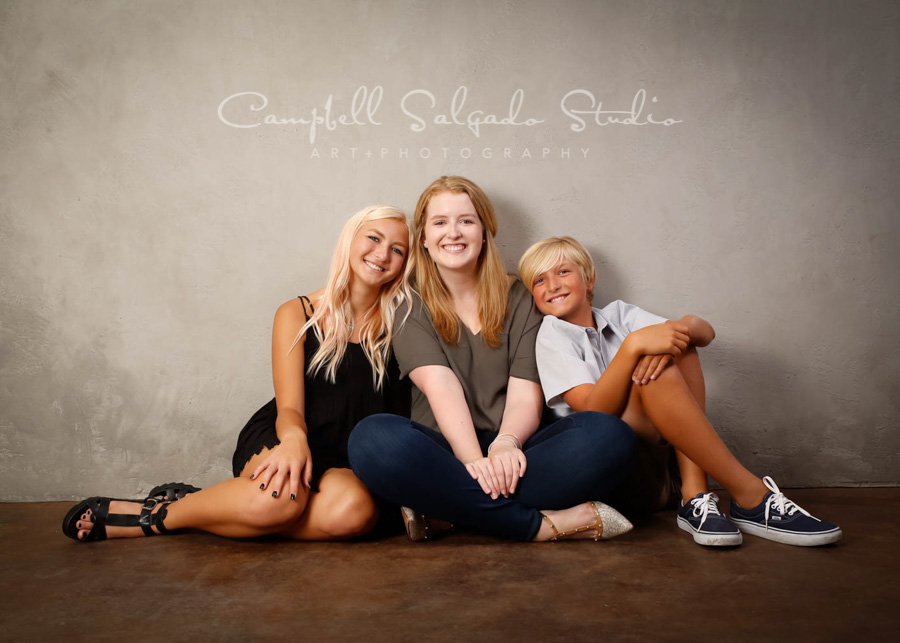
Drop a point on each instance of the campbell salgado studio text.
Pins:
(579, 108)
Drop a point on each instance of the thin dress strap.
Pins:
(304, 300)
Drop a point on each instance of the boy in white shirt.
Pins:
(627, 362)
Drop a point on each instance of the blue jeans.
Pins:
(578, 458)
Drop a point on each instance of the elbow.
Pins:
(702, 332)
(708, 332)
(583, 403)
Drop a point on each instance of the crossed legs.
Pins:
(674, 406)
(576, 459)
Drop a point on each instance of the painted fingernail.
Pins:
(262, 486)
(253, 477)
(293, 496)
(275, 493)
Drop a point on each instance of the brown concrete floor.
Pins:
(652, 584)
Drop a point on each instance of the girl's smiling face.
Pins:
(454, 234)
(378, 251)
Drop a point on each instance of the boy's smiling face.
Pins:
(561, 292)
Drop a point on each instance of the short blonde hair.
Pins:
(551, 252)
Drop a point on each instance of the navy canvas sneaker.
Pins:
(784, 521)
(702, 518)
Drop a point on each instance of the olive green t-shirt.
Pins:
(482, 371)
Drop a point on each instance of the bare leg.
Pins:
(674, 404)
(342, 508)
(693, 477)
(236, 508)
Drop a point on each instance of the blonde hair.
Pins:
(551, 252)
(332, 316)
(493, 283)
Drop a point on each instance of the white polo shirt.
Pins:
(569, 355)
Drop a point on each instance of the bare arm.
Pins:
(287, 370)
(700, 330)
(650, 366)
(609, 394)
(522, 413)
(290, 459)
(448, 403)
(521, 418)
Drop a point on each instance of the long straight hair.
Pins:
(332, 316)
(493, 283)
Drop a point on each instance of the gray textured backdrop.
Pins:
(146, 242)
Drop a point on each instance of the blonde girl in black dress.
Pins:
(332, 366)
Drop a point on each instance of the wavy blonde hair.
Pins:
(551, 252)
(493, 283)
(332, 316)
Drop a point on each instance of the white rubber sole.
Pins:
(788, 537)
(708, 539)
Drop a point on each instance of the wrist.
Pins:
(498, 447)
(292, 434)
(468, 456)
(505, 441)
(631, 349)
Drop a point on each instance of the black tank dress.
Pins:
(331, 410)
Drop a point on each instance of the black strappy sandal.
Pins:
(172, 491)
(102, 518)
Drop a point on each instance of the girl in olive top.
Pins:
(472, 453)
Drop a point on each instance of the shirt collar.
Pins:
(599, 319)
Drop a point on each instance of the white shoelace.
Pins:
(705, 505)
(781, 503)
